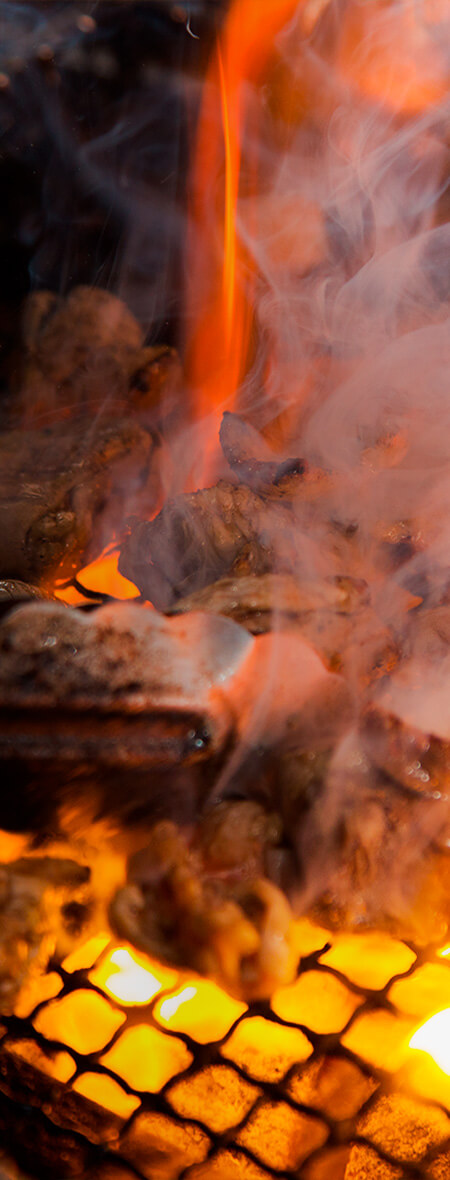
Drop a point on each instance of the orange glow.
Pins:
(266, 1050)
(82, 1020)
(60, 1066)
(317, 1000)
(218, 345)
(87, 954)
(394, 53)
(107, 1093)
(130, 978)
(101, 576)
(146, 1059)
(44, 987)
(369, 960)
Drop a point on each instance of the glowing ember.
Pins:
(125, 975)
(102, 577)
(433, 1038)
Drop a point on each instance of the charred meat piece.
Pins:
(63, 492)
(197, 538)
(373, 853)
(206, 906)
(45, 906)
(12, 592)
(251, 458)
(123, 686)
(406, 727)
(265, 601)
(86, 351)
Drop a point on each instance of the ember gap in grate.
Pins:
(224, 844)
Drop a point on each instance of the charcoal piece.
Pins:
(406, 727)
(63, 492)
(45, 904)
(251, 458)
(215, 915)
(274, 600)
(124, 686)
(197, 538)
(86, 351)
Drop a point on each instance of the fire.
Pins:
(392, 55)
(433, 1038)
(100, 577)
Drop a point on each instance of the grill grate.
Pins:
(318, 1084)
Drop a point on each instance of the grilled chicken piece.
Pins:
(86, 351)
(45, 907)
(252, 460)
(207, 905)
(262, 602)
(194, 540)
(63, 491)
(406, 726)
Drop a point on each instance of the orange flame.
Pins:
(101, 577)
(219, 343)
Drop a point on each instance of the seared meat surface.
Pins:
(206, 903)
(63, 490)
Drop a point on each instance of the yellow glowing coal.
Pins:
(201, 1009)
(82, 1020)
(146, 1058)
(103, 1090)
(169, 1008)
(433, 1038)
(86, 955)
(130, 977)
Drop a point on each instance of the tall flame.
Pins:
(221, 278)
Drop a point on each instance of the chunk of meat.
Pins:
(63, 490)
(205, 905)
(85, 351)
(194, 540)
(252, 460)
(45, 906)
(407, 726)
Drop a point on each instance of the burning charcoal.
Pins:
(407, 727)
(45, 905)
(205, 906)
(124, 686)
(86, 350)
(251, 458)
(63, 491)
(197, 538)
(262, 602)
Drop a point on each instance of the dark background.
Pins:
(98, 104)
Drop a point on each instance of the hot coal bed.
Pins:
(225, 620)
